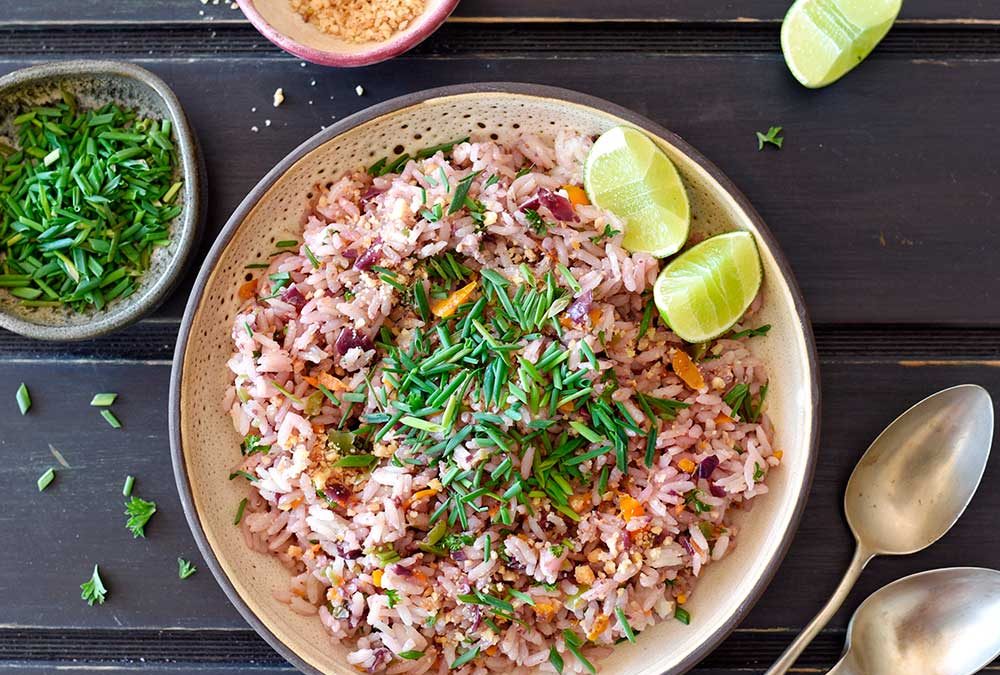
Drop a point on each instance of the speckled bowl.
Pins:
(95, 83)
(205, 447)
(279, 23)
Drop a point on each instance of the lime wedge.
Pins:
(627, 174)
(706, 289)
(824, 39)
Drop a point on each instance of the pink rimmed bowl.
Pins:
(279, 23)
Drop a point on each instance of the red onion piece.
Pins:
(293, 296)
(350, 338)
(686, 544)
(580, 309)
(349, 253)
(369, 195)
(369, 257)
(707, 466)
(561, 208)
(717, 490)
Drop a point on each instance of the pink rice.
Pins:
(576, 574)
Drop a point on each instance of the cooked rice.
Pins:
(643, 560)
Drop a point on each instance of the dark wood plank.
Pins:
(78, 520)
(581, 10)
(880, 194)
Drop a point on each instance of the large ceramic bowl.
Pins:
(205, 447)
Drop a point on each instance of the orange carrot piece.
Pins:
(248, 289)
(630, 507)
(445, 307)
(686, 369)
(576, 195)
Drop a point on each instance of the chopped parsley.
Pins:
(608, 233)
(771, 137)
(185, 568)
(536, 222)
(252, 444)
(139, 511)
(758, 472)
(93, 590)
(392, 596)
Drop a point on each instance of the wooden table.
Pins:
(884, 197)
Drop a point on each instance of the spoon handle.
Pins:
(791, 655)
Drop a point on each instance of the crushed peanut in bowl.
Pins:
(359, 20)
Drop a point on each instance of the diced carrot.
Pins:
(723, 418)
(566, 408)
(595, 315)
(679, 508)
(630, 507)
(420, 494)
(491, 650)
(330, 382)
(544, 610)
(682, 599)
(377, 578)
(779, 454)
(421, 577)
(576, 195)
(686, 369)
(566, 322)
(294, 551)
(445, 307)
(311, 381)
(686, 465)
(248, 289)
(600, 625)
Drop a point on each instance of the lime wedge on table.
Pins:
(706, 289)
(627, 174)
(824, 39)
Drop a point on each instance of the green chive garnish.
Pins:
(127, 488)
(110, 418)
(46, 478)
(623, 622)
(465, 658)
(90, 196)
(239, 511)
(103, 400)
(23, 399)
(411, 654)
(683, 616)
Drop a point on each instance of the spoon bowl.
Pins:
(941, 622)
(920, 474)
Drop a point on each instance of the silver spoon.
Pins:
(910, 487)
(942, 622)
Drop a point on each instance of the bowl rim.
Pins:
(428, 22)
(192, 166)
(418, 98)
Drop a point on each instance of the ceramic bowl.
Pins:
(95, 83)
(279, 23)
(205, 447)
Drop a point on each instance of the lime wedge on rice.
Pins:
(824, 39)
(706, 289)
(629, 175)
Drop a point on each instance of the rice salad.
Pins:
(467, 432)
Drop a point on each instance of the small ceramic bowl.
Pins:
(95, 83)
(205, 446)
(279, 23)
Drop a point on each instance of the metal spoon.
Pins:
(910, 487)
(942, 622)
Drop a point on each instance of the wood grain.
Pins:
(78, 520)
(562, 10)
(876, 199)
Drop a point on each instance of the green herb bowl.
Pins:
(95, 83)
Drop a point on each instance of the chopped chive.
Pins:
(110, 418)
(523, 597)
(103, 400)
(555, 659)
(23, 399)
(570, 279)
(127, 487)
(623, 622)
(411, 654)
(465, 658)
(239, 511)
(242, 474)
(683, 616)
(46, 478)
(286, 243)
(573, 644)
(355, 461)
(312, 257)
